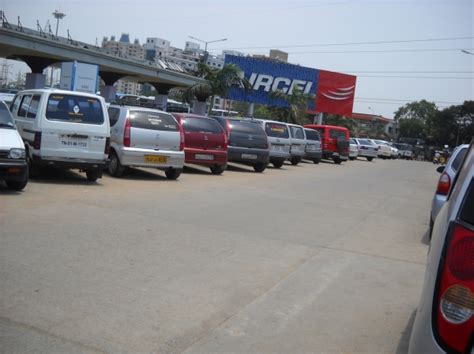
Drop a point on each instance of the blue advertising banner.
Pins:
(267, 75)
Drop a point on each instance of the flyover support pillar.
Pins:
(108, 92)
(162, 92)
(200, 108)
(35, 81)
(161, 102)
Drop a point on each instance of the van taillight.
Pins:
(127, 133)
(454, 303)
(181, 137)
(226, 141)
(444, 184)
(37, 141)
(107, 146)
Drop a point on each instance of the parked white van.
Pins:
(298, 143)
(278, 139)
(63, 129)
(13, 166)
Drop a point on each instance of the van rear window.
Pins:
(297, 132)
(201, 125)
(246, 127)
(153, 121)
(312, 135)
(277, 130)
(74, 109)
(335, 134)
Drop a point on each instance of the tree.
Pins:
(411, 128)
(421, 110)
(297, 101)
(217, 83)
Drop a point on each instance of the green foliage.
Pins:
(412, 128)
(422, 110)
(298, 102)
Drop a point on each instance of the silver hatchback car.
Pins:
(444, 319)
(279, 141)
(298, 143)
(143, 137)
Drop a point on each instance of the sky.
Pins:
(420, 60)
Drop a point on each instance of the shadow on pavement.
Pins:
(196, 170)
(402, 347)
(240, 168)
(426, 238)
(144, 175)
(55, 176)
(4, 190)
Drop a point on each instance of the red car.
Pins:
(205, 141)
(335, 141)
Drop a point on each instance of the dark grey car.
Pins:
(248, 142)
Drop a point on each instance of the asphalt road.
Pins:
(313, 258)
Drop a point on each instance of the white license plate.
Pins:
(204, 157)
(73, 143)
(249, 156)
(277, 147)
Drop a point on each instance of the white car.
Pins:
(385, 151)
(298, 143)
(13, 165)
(444, 321)
(63, 129)
(353, 149)
(144, 137)
(366, 148)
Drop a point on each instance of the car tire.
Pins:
(352, 158)
(217, 170)
(259, 167)
(115, 168)
(316, 161)
(17, 185)
(337, 160)
(295, 161)
(93, 175)
(370, 159)
(173, 173)
(278, 164)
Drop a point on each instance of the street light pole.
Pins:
(206, 43)
(58, 15)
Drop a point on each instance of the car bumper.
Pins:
(436, 204)
(237, 154)
(136, 158)
(69, 163)
(335, 155)
(313, 155)
(353, 153)
(13, 170)
(367, 153)
(205, 157)
(280, 155)
(384, 154)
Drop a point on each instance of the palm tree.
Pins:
(298, 102)
(218, 84)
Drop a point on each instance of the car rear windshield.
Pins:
(246, 127)
(335, 134)
(201, 125)
(277, 130)
(6, 120)
(312, 135)
(458, 159)
(365, 142)
(297, 132)
(153, 121)
(74, 109)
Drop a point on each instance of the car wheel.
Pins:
(17, 185)
(173, 173)
(217, 170)
(259, 167)
(93, 175)
(278, 164)
(370, 158)
(115, 167)
(352, 158)
(295, 160)
(316, 161)
(337, 160)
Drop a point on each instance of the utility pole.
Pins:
(206, 43)
(58, 15)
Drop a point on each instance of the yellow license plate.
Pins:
(155, 159)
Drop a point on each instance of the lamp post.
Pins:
(206, 43)
(58, 15)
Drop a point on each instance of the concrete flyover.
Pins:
(39, 50)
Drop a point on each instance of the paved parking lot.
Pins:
(313, 258)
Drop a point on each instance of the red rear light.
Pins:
(226, 141)
(181, 137)
(444, 184)
(127, 133)
(37, 141)
(454, 302)
(107, 146)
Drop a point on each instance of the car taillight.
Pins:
(454, 302)
(444, 184)
(127, 133)
(107, 146)
(37, 141)
(226, 141)
(181, 138)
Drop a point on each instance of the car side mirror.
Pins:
(440, 169)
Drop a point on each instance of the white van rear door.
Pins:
(75, 127)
